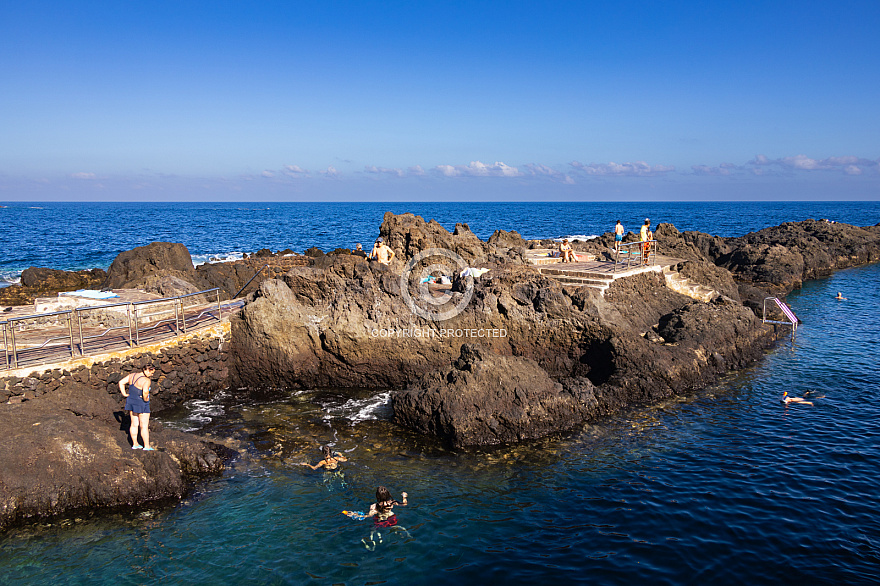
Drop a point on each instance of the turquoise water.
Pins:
(728, 486)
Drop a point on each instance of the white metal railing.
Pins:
(138, 318)
(635, 254)
(787, 313)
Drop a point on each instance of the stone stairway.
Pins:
(578, 278)
(683, 285)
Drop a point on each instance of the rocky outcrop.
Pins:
(348, 325)
(408, 234)
(488, 399)
(42, 282)
(69, 451)
(130, 269)
(782, 257)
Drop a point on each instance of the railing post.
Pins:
(70, 333)
(219, 311)
(183, 312)
(12, 335)
(137, 334)
(6, 344)
(82, 341)
(130, 334)
(177, 305)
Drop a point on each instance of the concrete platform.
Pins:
(590, 271)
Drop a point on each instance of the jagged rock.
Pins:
(168, 286)
(346, 324)
(69, 450)
(503, 238)
(131, 268)
(408, 234)
(488, 399)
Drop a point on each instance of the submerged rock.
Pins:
(69, 451)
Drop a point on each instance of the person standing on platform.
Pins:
(618, 235)
(646, 236)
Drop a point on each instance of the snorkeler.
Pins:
(330, 462)
(383, 511)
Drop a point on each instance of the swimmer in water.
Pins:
(786, 399)
(383, 511)
(840, 297)
(330, 462)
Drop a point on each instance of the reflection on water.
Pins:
(726, 486)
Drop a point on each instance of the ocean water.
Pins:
(73, 236)
(725, 486)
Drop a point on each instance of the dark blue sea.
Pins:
(724, 486)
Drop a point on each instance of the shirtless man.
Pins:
(381, 252)
(618, 235)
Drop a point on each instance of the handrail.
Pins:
(786, 312)
(643, 255)
(249, 282)
(13, 355)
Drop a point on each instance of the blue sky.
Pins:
(334, 100)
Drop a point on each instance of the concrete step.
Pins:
(587, 282)
(559, 272)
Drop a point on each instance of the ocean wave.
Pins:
(577, 237)
(8, 278)
(200, 259)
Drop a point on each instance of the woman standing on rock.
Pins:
(137, 403)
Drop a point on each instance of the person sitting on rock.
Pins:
(137, 403)
(384, 515)
(330, 462)
(359, 251)
(566, 251)
(381, 252)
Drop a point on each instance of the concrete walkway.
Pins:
(50, 342)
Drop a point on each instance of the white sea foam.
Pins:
(577, 237)
(200, 259)
(8, 278)
(200, 413)
(357, 410)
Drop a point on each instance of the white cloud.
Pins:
(545, 171)
(478, 169)
(268, 174)
(295, 171)
(633, 169)
(83, 175)
(385, 171)
(848, 164)
(331, 173)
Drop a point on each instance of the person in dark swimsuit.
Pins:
(137, 403)
(383, 511)
(330, 461)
